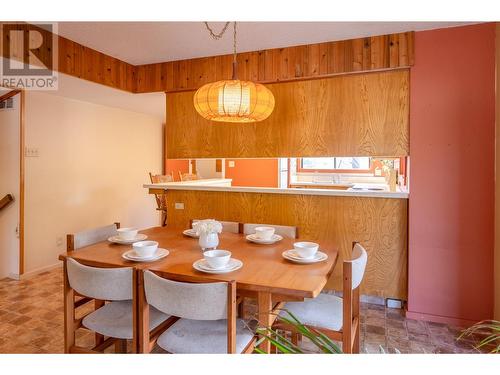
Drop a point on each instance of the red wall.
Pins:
(174, 165)
(451, 208)
(253, 172)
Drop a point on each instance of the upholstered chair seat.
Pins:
(323, 311)
(114, 319)
(203, 337)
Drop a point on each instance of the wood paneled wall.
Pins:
(83, 62)
(86, 63)
(282, 64)
(266, 66)
(348, 115)
(378, 223)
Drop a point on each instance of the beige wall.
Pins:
(9, 184)
(91, 166)
(497, 184)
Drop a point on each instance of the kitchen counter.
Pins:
(351, 192)
(200, 182)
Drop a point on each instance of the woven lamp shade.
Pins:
(234, 101)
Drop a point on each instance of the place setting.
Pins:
(145, 251)
(191, 233)
(217, 262)
(264, 236)
(305, 253)
(127, 236)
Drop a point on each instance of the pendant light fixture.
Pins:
(233, 100)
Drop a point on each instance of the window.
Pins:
(355, 164)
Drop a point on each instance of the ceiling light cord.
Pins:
(235, 64)
(219, 35)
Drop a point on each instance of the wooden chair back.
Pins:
(88, 237)
(196, 300)
(188, 176)
(227, 226)
(161, 199)
(353, 272)
(282, 230)
(161, 178)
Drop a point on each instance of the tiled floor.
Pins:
(31, 321)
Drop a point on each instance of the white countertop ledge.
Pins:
(293, 191)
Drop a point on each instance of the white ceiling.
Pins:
(79, 89)
(152, 104)
(151, 42)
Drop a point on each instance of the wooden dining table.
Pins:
(265, 275)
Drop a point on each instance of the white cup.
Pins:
(127, 233)
(217, 259)
(264, 233)
(306, 249)
(145, 248)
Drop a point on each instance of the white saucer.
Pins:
(116, 239)
(131, 255)
(202, 266)
(293, 256)
(273, 239)
(190, 233)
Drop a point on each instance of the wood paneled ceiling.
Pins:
(390, 51)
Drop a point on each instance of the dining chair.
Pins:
(188, 176)
(227, 226)
(336, 317)
(207, 312)
(161, 178)
(89, 237)
(114, 319)
(161, 199)
(282, 230)
(84, 238)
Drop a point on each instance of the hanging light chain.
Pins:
(219, 34)
(234, 42)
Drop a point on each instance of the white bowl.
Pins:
(217, 259)
(145, 248)
(264, 233)
(127, 233)
(306, 249)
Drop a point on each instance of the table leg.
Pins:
(265, 307)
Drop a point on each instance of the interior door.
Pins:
(9, 184)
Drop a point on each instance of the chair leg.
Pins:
(241, 309)
(121, 346)
(355, 345)
(164, 218)
(99, 339)
(69, 313)
(347, 343)
(295, 338)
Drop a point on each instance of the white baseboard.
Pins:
(32, 273)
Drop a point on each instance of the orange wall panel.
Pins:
(176, 166)
(253, 172)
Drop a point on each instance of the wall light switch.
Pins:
(179, 206)
(31, 152)
(231, 164)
